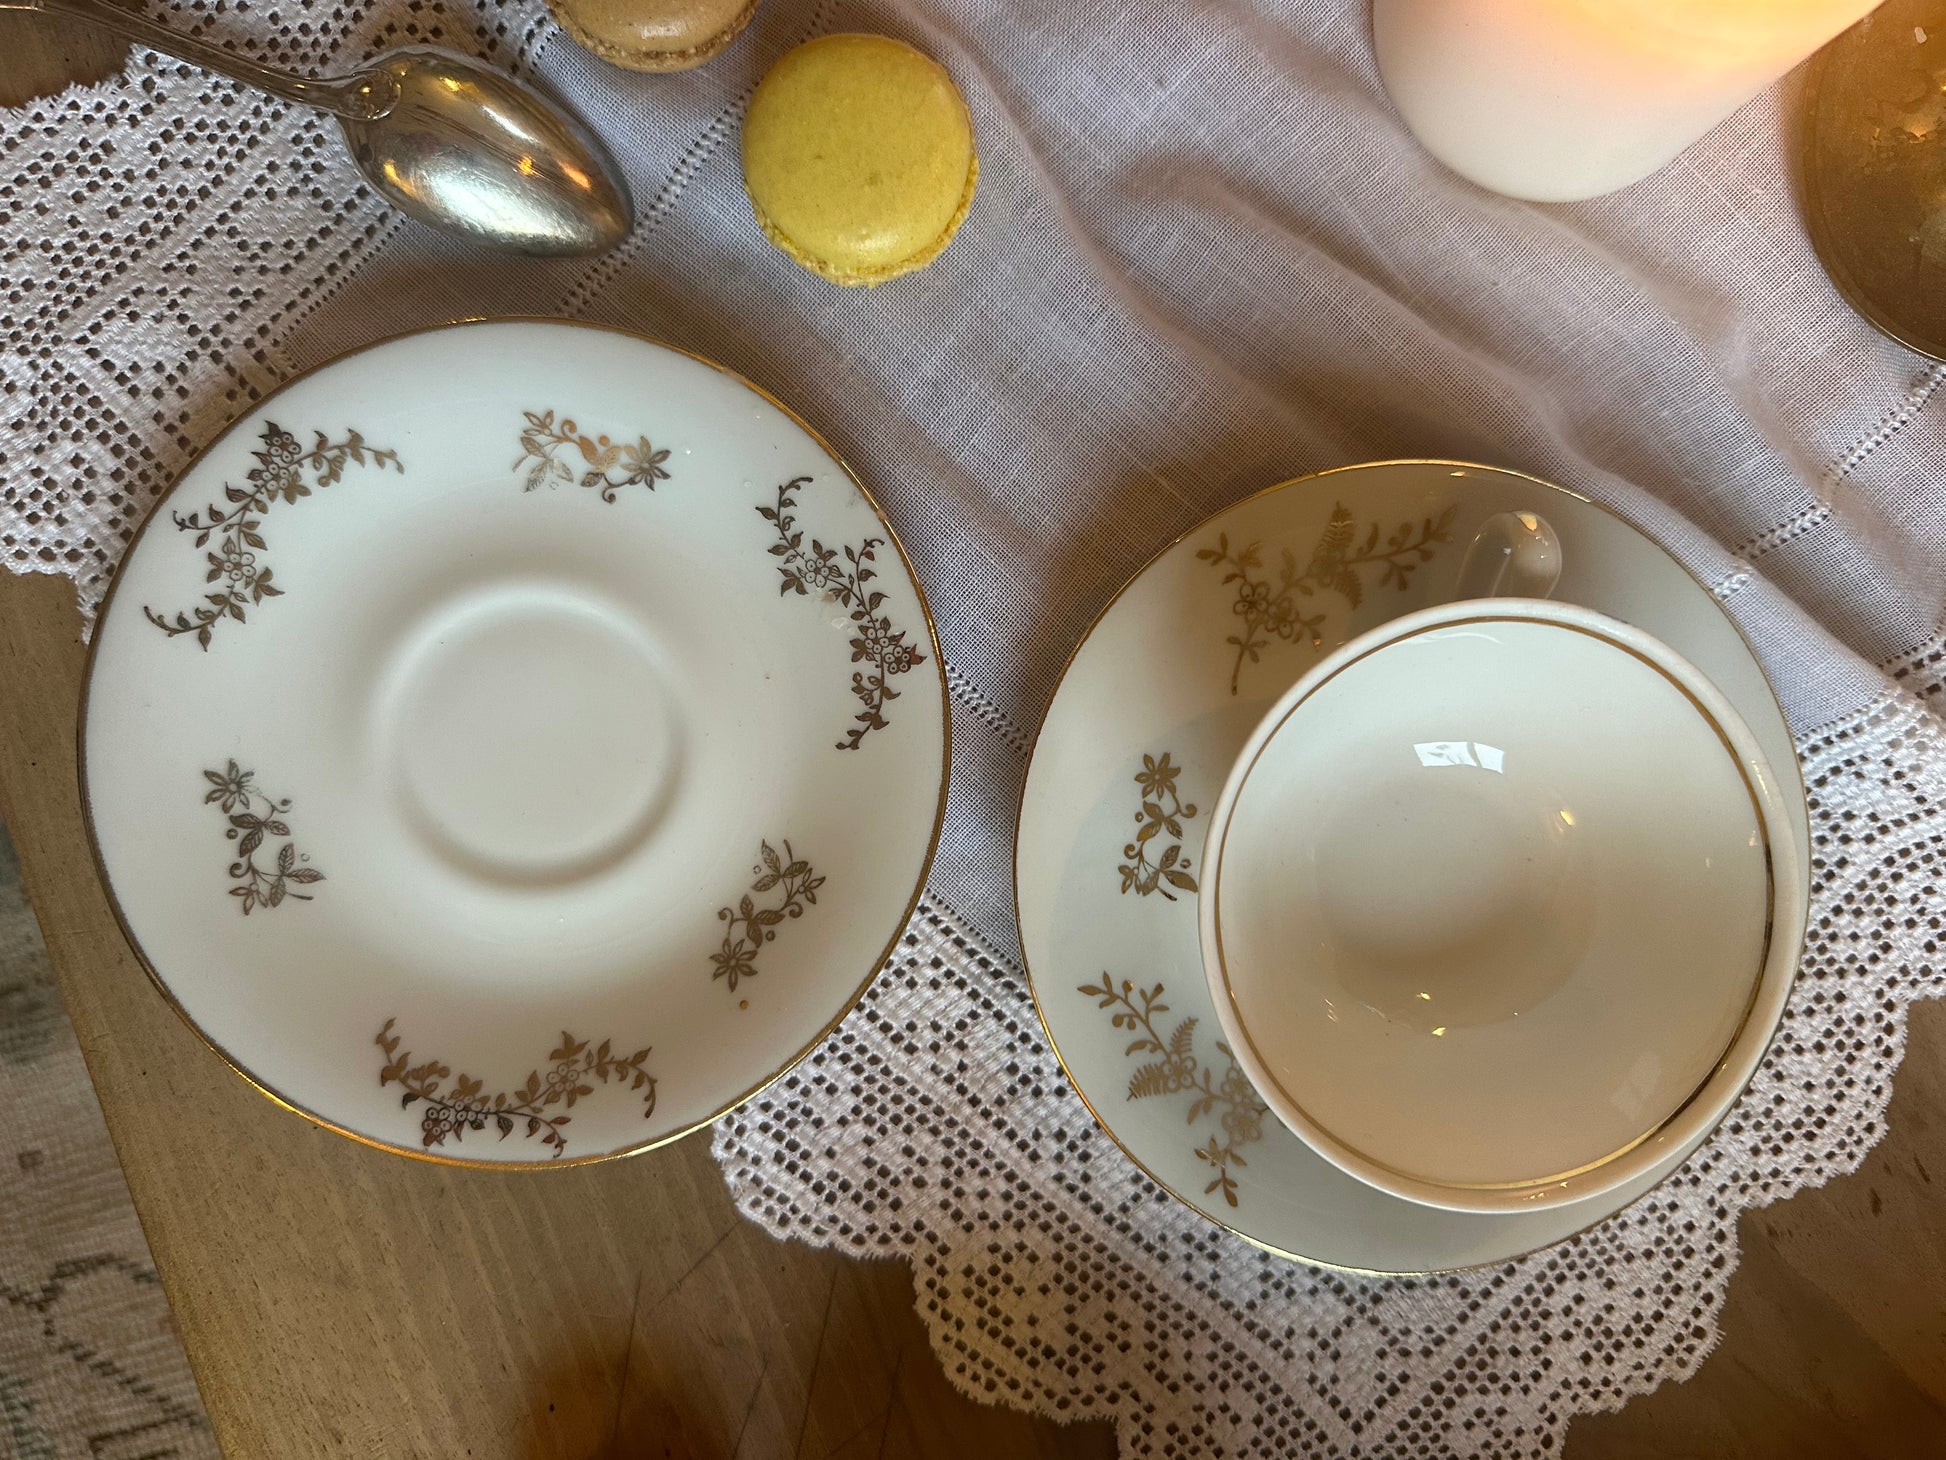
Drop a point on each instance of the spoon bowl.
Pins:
(443, 137)
(470, 149)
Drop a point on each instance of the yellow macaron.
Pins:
(654, 35)
(858, 157)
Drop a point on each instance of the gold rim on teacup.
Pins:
(1775, 933)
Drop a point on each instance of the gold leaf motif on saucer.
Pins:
(538, 1109)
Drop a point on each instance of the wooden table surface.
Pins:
(337, 1301)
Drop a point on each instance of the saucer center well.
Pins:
(531, 734)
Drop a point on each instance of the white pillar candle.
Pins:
(1561, 99)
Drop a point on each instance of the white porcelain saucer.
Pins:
(1155, 705)
(517, 742)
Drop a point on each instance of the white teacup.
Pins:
(1498, 904)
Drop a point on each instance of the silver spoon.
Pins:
(446, 139)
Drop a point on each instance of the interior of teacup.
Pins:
(1493, 912)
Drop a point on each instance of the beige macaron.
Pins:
(654, 35)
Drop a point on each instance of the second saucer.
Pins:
(1152, 710)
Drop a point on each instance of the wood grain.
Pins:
(337, 1301)
(1834, 1336)
(40, 54)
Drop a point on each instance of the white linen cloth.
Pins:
(1204, 257)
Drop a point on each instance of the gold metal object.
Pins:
(442, 137)
(1873, 170)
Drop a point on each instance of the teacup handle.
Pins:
(1513, 555)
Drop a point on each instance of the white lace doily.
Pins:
(937, 1124)
(1204, 257)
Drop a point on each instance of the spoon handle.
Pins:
(362, 96)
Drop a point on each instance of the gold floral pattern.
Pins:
(1163, 812)
(1274, 608)
(255, 816)
(608, 465)
(844, 577)
(237, 564)
(1240, 1114)
(537, 1109)
(750, 926)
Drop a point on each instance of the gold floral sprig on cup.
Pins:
(237, 563)
(609, 465)
(465, 1106)
(844, 577)
(1273, 609)
(254, 816)
(750, 926)
(1178, 1071)
(1163, 811)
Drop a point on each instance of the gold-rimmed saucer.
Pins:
(514, 743)
(1153, 707)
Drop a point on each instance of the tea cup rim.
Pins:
(1712, 1098)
